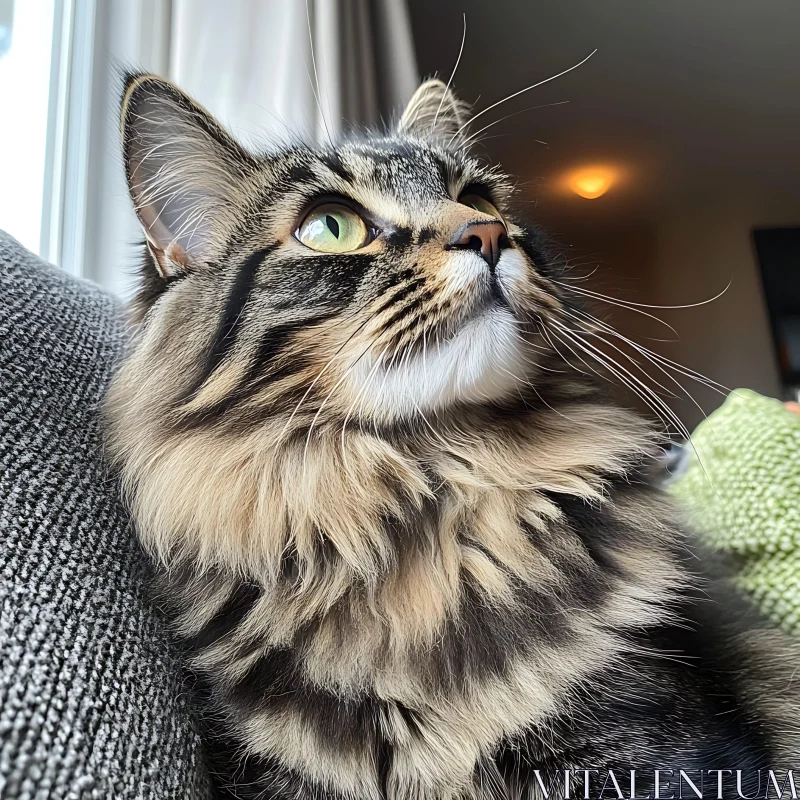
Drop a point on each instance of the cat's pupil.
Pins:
(332, 224)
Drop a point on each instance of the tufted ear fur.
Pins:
(183, 172)
(434, 111)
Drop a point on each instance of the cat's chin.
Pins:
(483, 361)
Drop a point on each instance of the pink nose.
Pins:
(487, 238)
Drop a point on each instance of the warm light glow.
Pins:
(591, 182)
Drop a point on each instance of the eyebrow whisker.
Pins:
(452, 75)
(521, 91)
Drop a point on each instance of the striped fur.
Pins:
(409, 554)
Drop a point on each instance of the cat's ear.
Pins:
(183, 173)
(434, 111)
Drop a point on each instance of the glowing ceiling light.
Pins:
(591, 182)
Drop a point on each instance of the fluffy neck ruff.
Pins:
(394, 531)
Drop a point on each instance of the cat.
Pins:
(411, 547)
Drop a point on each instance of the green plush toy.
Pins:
(741, 487)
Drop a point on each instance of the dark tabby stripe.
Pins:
(227, 619)
(231, 320)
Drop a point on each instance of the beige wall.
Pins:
(700, 250)
(691, 255)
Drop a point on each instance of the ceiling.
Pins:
(687, 97)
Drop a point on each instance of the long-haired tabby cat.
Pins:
(411, 546)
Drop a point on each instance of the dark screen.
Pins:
(778, 251)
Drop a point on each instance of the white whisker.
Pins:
(614, 302)
(689, 373)
(325, 401)
(452, 75)
(469, 139)
(319, 375)
(521, 91)
(633, 305)
(356, 402)
(316, 92)
(607, 360)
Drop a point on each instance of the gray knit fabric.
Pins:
(91, 702)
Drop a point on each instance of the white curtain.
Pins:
(302, 66)
(250, 63)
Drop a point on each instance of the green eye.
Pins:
(333, 228)
(480, 204)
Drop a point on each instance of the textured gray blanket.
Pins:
(91, 702)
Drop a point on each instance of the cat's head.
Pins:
(328, 335)
(377, 279)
